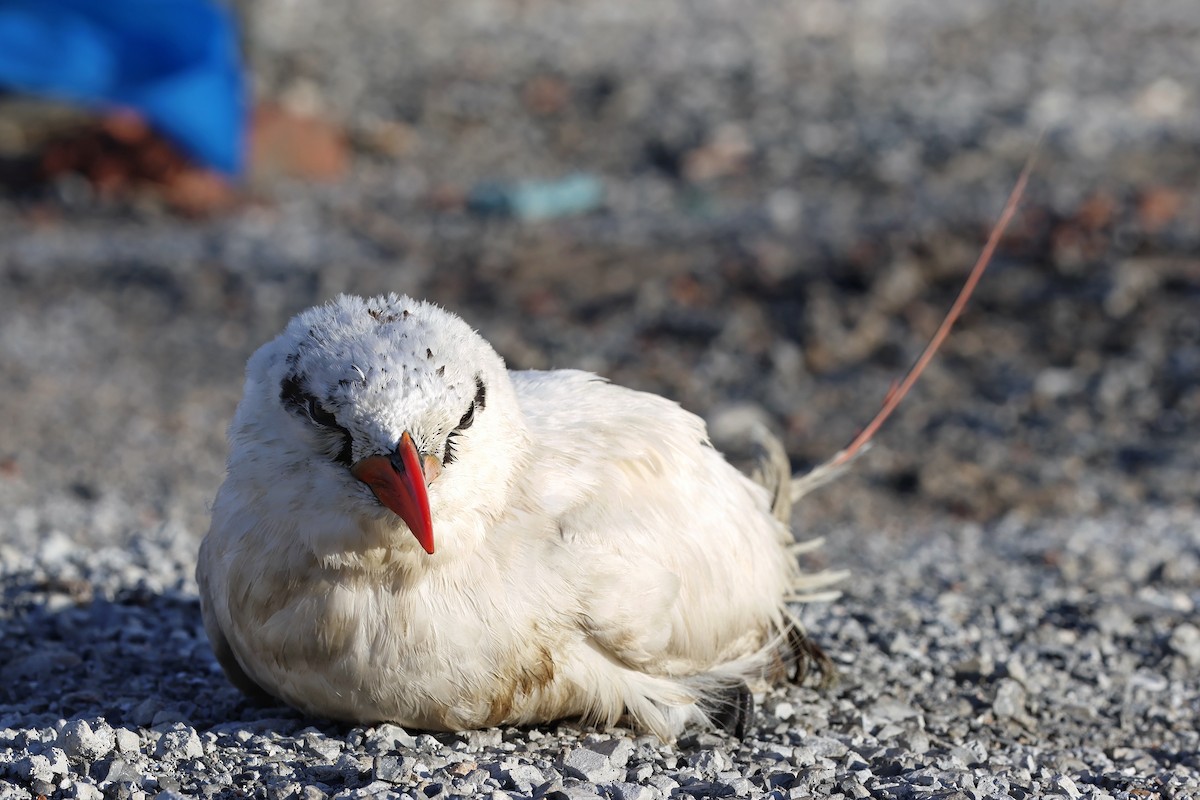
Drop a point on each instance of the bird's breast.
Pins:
(431, 651)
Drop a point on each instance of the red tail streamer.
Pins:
(897, 392)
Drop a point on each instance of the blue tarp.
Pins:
(176, 62)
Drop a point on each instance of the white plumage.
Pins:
(592, 555)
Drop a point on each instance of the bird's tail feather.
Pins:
(666, 705)
(773, 472)
(797, 654)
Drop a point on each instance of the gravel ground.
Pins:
(793, 192)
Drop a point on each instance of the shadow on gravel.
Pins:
(138, 659)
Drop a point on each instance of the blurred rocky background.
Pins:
(759, 209)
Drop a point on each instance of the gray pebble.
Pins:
(78, 739)
(663, 782)
(524, 777)
(42, 768)
(617, 750)
(1185, 640)
(581, 792)
(1009, 702)
(181, 742)
(322, 746)
(391, 768)
(83, 790)
(708, 762)
(824, 747)
(633, 791)
(119, 770)
(588, 765)
(387, 738)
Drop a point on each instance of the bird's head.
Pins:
(390, 410)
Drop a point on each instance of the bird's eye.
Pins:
(467, 418)
(298, 401)
(318, 414)
(480, 393)
(479, 402)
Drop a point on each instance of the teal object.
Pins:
(176, 62)
(534, 200)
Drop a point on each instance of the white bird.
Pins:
(409, 532)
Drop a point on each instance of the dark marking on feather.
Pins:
(523, 681)
(384, 317)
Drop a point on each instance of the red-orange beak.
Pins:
(398, 482)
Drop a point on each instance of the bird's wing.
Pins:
(667, 530)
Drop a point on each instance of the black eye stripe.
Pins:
(296, 399)
(318, 414)
(480, 393)
(479, 403)
(467, 418)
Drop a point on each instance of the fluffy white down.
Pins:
(595, 556)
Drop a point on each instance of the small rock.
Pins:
(742, 787)
(118, 771)
(1112, 620)
(322, 746)
(1185, 640)
(587, 764)
(388, 737)
(1068, 786)
(824, 747)
(80, 741)
(890, 710)
(616, 750)
(46, 767)
(664, 783)
(524, 777)
(83, 790)
(480, 739)
(1014, 669)
(574, 793)
(1010, 699)
(973, 669)
(632, 791)
(914, 740)
(127, 741)
(389, 768)
(181, 742)
(709, 762)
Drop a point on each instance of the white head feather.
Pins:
(343, 382)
